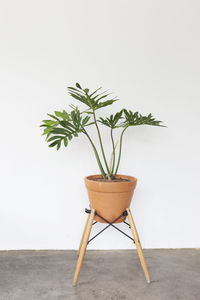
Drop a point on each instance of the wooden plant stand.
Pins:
(86, 234)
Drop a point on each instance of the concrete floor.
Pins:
(105, 275)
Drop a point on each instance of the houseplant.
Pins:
(109, 193)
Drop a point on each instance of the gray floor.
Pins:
(106, 275)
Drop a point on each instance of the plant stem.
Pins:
(96, 154)
(120, 151)
(113, 145)
(101, 145)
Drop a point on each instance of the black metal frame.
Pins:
(88, 211)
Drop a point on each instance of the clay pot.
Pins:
(110, 199)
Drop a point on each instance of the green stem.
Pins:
(96, 154)
(120, 150)
(101, 145)
(113, 145)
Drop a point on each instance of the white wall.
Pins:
(147, 53)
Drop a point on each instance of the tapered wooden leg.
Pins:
(83, 246)
(138, 245)
(81, 242)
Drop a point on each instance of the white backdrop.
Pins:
(147, 53)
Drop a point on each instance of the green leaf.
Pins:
(105, 103)
(47, 130)
(59, 131)
(55, 137)
(48, 134)
(78, 86)
(50, 122)
(58, 144)
(88, 124)
(76, 118)
(102, 97)
(97, 96)
(65, 141)
(53, 117)
(95, 91)
(112, 121)
(135, 119)
(104, 122)
(84, 97)
(61, 115)
(79, 97)
(67, 125)
(53, 144)
(85, 120)
(73, 116)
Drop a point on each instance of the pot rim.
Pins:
(131, 178)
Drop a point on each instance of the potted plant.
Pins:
(109, 193)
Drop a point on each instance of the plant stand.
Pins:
(86, 234)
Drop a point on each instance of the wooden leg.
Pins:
(138, 245)
(83, 234)
(83, 246)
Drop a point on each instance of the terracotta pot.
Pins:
(110, 199)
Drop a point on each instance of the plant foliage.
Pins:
(63, 126)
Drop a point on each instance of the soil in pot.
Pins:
(110, 181)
